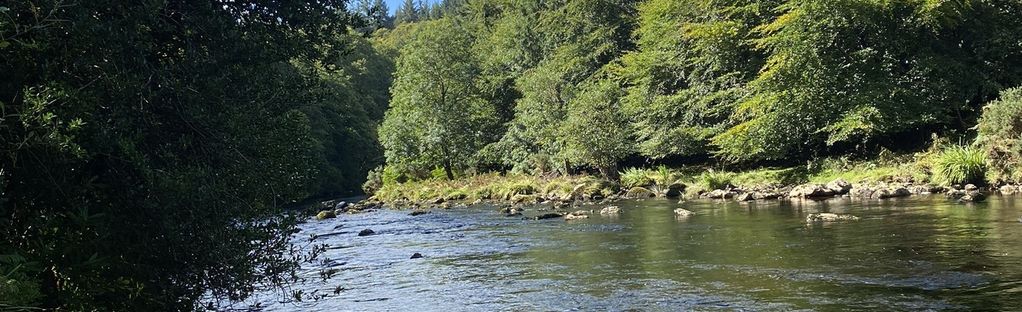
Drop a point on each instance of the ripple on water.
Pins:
(912, 254)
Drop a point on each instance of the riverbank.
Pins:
(895, 176)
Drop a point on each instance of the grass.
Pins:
(959, 165)
(491, 186)
(947, 164)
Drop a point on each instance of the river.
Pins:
(917, 253)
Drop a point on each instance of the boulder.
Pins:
(829, 217)
(839, 186)
(744, 197)
(1008, 189)
(682, 213)
(326, 214)
(418, 212)
(342, 206)
(525, 199)
(811, 191)
(765, 195)
(639, 192)
(578, 214)
(437, 201)
(610, 210)
(971, 187)
(885, 193)
(720, 194)
(416, 256)
(366, 232)
(675, 190)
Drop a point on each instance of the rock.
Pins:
(682, 213)
(342, 206)
(549, 216)
(437, 201)
(525, 199)
(971, 187)
(839, 186)
(744, 197)
(418, 212)
(561, 205)
(610, 210)
(811, 191)
(416, 256)
(829, 217)
(639, 192)
(885, 193)
(578, 214)
(675, 190)
(1008, 189)
(765, 195)
(326, 214)
(477, 202)
(720, 194)
(366, 232)
(973, 196)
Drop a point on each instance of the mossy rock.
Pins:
(525, 199)
(639, 192)
(326, 214)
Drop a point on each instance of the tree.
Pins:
(147, 149)
(595, 131)
(437, 117)
(408, 12)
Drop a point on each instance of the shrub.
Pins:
(959, 164)
(634, 177)
(1000, 136)
(712, 180)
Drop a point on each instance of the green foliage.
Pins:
(855, 71)
(714, 180)
(147, 149)
(635, 177)
(959, 165)
(436, 115)
(595, 133)
(1000, 136)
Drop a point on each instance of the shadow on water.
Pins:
(919, 253)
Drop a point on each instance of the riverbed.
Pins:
(916, 253)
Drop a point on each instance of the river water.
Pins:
(917, 253)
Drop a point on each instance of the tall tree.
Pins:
(437, 116)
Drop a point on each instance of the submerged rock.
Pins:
(366, 232)
(829, 217)
(682, 213)
(418, 212)
(967, 195)
(326, 214)
(416, 256)
(576, 215)
(549, 216)
(611, 210)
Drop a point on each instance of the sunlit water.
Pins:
(919, 253)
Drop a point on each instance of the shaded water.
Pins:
(918, 253)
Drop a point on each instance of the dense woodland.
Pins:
(150, 149)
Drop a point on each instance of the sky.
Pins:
(394, 4)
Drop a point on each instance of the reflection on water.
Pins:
(918, 253)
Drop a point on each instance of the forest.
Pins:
(151, 152)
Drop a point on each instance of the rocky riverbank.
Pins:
(564, 203)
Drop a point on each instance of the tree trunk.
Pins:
(447, 170)
(610, 172)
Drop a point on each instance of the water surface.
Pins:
(918, 253)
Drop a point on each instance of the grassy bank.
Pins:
(944, 166)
